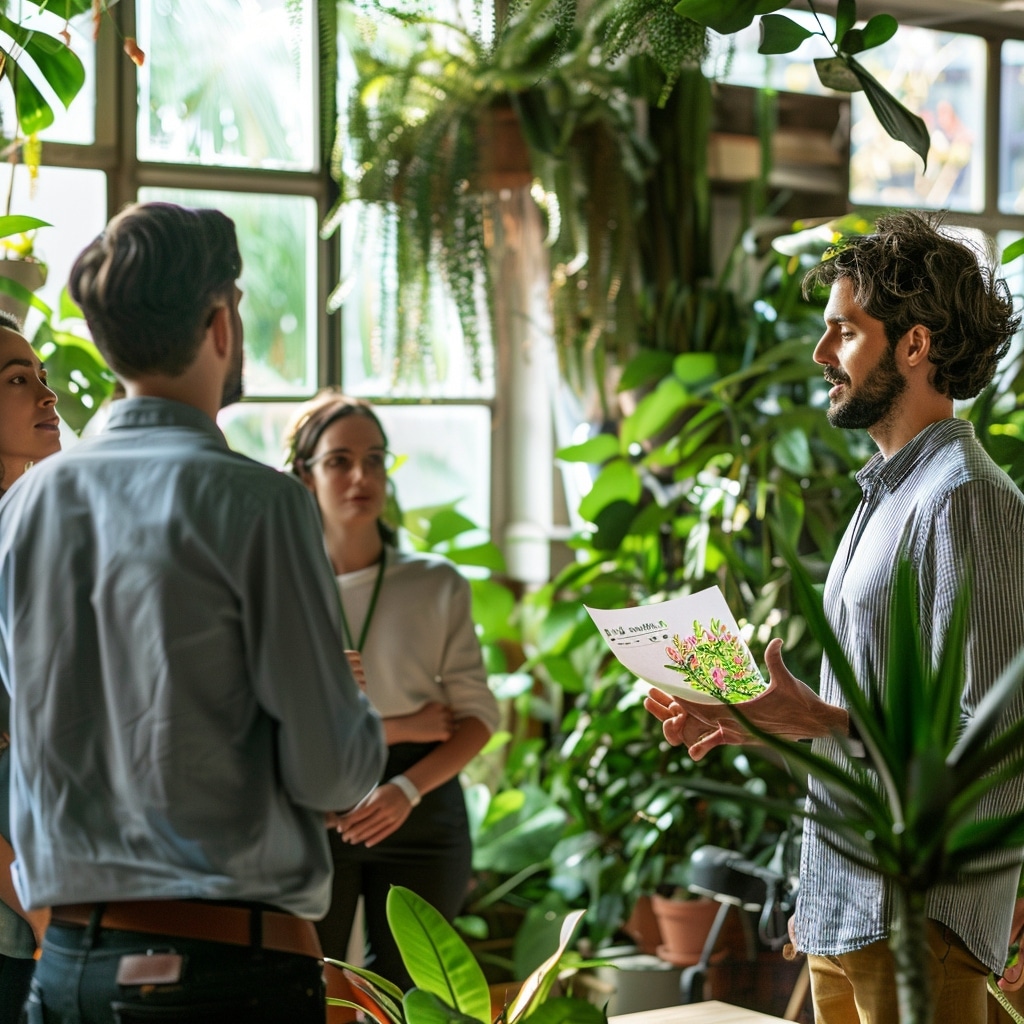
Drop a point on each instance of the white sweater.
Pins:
(421, 645)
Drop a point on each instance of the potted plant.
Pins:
(910, 838)
(449, 984)
(428, 102)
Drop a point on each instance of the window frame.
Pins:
(115, 153)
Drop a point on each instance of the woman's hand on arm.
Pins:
(788, 708)
(386, 808)
(433, 723)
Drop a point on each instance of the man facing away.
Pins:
(183, 713)
(913, 322)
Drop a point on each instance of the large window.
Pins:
(941, 77)
(229, 110)
(961, 84)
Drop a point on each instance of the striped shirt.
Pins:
(941, 499)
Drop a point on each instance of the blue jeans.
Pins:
(76, 982)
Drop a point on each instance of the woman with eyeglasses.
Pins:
(29, 432)
(413, 646)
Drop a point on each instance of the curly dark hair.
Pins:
(147, 283)
(909, 272)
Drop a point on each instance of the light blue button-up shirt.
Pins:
(182, 712)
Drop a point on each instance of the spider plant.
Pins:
(913, 809)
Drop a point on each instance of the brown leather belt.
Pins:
(198, 919)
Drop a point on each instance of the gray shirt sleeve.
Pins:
(330, 743)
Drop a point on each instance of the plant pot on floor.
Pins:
(684, 927)
(642, 926)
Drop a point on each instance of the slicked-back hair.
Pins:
(147, 283)
(908, 273)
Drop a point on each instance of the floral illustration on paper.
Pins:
(715, 661)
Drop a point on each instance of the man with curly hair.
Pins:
(914, 320)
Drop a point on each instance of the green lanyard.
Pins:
(369, 611)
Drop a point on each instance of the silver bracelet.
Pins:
(412, 794)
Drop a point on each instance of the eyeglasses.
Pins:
(375, 463)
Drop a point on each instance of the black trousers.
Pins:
(430, 854)
(15, 976)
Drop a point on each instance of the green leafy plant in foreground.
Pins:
(909, 810)
(450, 987)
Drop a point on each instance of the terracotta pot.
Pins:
(684, 927)
(504, 155)
(642, 926)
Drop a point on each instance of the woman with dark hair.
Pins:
(412, 642)
(29, 431)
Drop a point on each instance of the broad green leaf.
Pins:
(644, 368)
(487, 556)
(1012, 251)
(792, 451)
(447, 524)
(612, 524)
(16, 223)
(33, 112)
(656, 411)
(75, 371)
(567, 1011)
(437, 960)
(67, 308)
(853, 41)
(617, 481)
(18, 291)
(729, 17)
(879, 29)
(835, 73)
(426, 1008)
(563, 672)
(780, 34)
(790, 509)
(493, 606)
(900, 123)
(694, 368)
(502, 804)
(846, 17)
(536, 987)
(526, 842)
(65, 8)
(59, 65)
(596, 450)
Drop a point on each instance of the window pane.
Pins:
(447, 449)
(77, 125)
(228, 82)
(256, 429)
(370, 365)
(278, 238)
(449, 456)
(734, 59)
(75, 204)
(941, 77)
(1011, 130)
